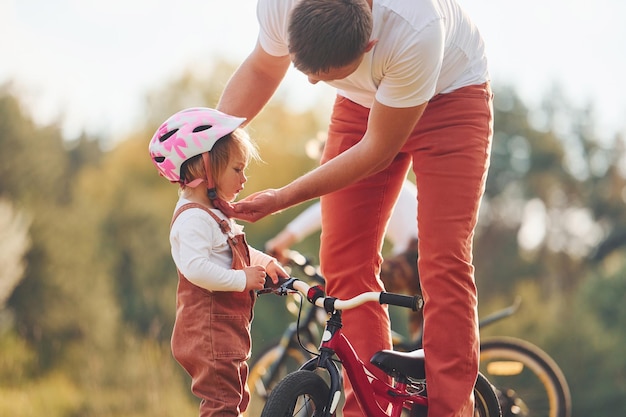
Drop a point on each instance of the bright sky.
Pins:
(89, 63)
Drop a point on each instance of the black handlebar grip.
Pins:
(269, 284)
(414, 302)
(274, 288)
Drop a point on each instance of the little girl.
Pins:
(206, 152)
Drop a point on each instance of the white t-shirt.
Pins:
(402, 228)
(424, 48)
(201, 252)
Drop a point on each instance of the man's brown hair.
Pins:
(326, 34)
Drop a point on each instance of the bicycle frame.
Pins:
(364, 381)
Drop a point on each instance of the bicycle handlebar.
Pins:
(316, 296)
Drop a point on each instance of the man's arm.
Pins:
(253, 84)
(387, 131)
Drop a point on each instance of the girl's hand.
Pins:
(275, 271)
(255, 277)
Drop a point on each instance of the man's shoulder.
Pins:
(278, 7)
(273, 17)
(412, 12)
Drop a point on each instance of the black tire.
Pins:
(271, 366)
(527, 380)
(486, 402)
(301, 393)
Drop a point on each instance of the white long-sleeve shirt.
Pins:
(201, 252)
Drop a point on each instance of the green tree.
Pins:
(14, 243)
(550, 227)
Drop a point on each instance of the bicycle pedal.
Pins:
(419, 411)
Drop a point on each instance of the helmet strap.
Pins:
(210, 184)
(194, 183)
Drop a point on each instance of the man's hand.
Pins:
(224, 206)
(256, 206)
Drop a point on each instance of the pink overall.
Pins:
(450, 149)
(211, 336)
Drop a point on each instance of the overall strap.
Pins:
(224, 225)
(237, 244)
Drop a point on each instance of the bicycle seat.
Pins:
(406, 364)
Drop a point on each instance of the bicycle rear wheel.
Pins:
(485, 401)
(528, 381)
(269, 369)
(301, 394)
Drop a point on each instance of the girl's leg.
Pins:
(211, 341)
(354, 220)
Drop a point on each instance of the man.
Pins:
(412, 83)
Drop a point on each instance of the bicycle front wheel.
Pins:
(301, 394)
(527, 380)
(269, 369)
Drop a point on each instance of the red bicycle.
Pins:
(315, 388)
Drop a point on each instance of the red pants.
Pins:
(449, 149)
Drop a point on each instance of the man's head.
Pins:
(328, 34)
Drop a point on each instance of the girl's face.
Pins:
(231, 181)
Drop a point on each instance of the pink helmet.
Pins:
(188, 133)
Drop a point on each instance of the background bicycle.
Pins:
(528, 380)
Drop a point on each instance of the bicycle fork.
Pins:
(325, 361)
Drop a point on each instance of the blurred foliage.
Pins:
(87, 285)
